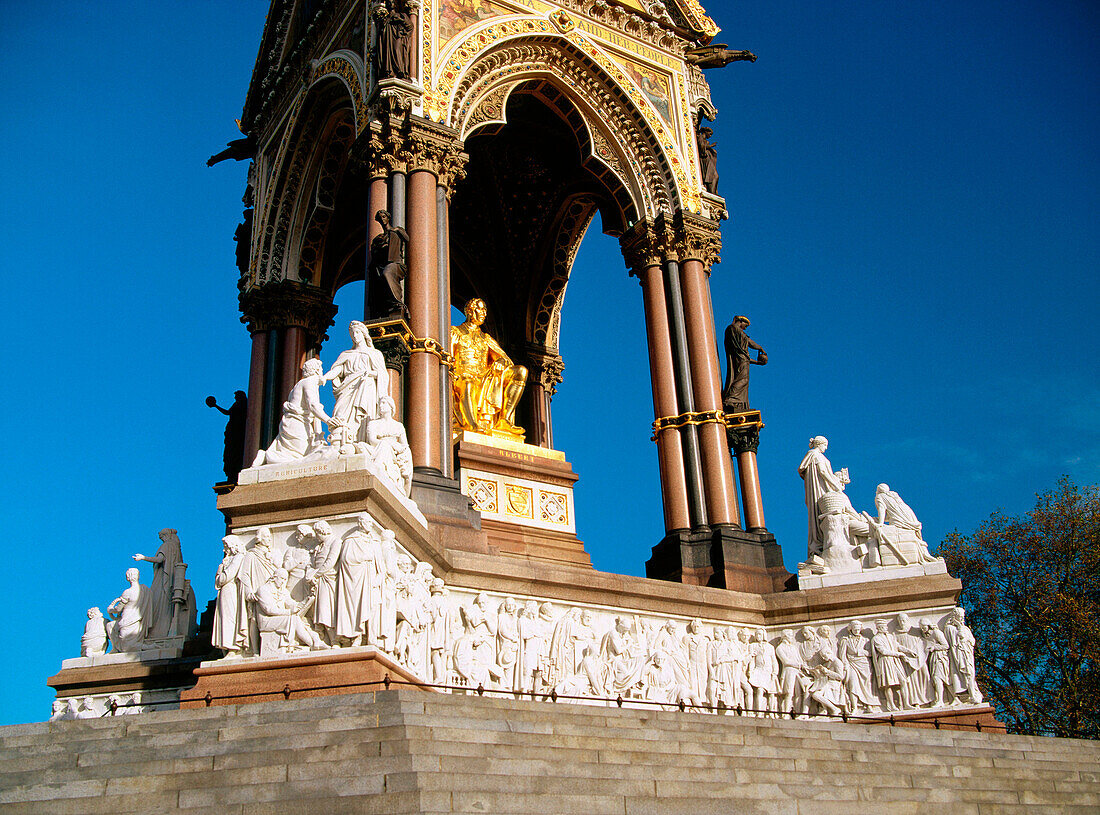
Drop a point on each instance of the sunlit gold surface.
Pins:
(510, 444)
(487, 385)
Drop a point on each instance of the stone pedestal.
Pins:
(728, 558)
(322, 673)
(525, 496)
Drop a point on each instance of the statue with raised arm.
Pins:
(233, 452)
(487, 385)
(735, 393)
(300, 431)
(165, 562)
(359, 379)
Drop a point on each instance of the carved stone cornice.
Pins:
(288, 303)
(546, 368)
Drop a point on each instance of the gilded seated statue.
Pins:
(487, 386)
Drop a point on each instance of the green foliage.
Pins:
(1031, 590)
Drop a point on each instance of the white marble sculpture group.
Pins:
(843, 541)
(158, 616)
(312, 587)
(362, 420)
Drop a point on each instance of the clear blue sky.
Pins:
(913, 192)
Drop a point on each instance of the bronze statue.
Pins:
(735, 394)
(233, 454)
(243, 237)
(717, 56)
(708, 159)
(487, 386)
(386, 270)
(394, 52)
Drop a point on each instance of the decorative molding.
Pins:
(288, 303)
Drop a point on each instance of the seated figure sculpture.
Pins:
(129, 613)
(300, 433)
(897, 527)
(277, 613)
(841, 529)
(388, 447)
(487, 385)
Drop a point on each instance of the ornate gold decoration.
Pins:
(698, 17)
(563, 21)
(348, 68)
(553, 507)
(483, 493)
(585, 72)
(744, 420)
(518, 501)
(486, 384)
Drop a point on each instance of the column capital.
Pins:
(406, 144)
(647, 243)
(287, 303)
(696, 238)
(744, 441)
(546, 367)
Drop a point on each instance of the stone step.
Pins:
(407, 751)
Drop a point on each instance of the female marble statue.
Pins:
(359, 379)
(358, 583)
(129, 615)
(388, 446)
(300, 432)
(854, 650)
(93, 643)
(230, 611)
(818, 474)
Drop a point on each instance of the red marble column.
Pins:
(294, 342)
(718, 483)
(254, 420)
(423, 420)
(670, 454)
(750, 490)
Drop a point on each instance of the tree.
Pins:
(1031, 590)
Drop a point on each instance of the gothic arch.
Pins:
(622, 137)
(295, 200)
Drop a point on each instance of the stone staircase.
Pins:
(408, 751)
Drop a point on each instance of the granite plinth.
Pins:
(320, 673)
(525, 497)
(817, 581)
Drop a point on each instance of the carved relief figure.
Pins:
(326, 559)
(129, 613)
(960, 640)
(387, 269)
(230, 610)
(300, 431)
(889, 669)
(359, 584)
(277, 613)
(487, 385)
(790, 672)
(915, 662)
(763, 670)
(508, 641)
(854, 650)
(735, 392)
(359, 378)
(939, 661)
(440, 632)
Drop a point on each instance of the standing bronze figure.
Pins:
(735, 394)
(394, 53)
(386, 270)
(708, 159)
